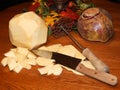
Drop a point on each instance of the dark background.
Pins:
(7, 3)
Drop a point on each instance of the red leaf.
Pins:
(69, 14)
(70, 4)
(34, 7)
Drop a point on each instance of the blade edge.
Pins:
(65, 60)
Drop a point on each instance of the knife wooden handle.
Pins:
(99, 75)
(97, 63)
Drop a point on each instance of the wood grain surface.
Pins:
(109, 52)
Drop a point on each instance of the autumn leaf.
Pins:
(68, 13)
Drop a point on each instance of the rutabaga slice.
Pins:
(31, 61)
(79, 55)
(4, 61)
(11, 63)
(18, 68)
(57, 69)
(54, 69)
(44, 61)
(67, 50)
(20, 57)
(54, 47)
(45, 70)
(25, 65)
(10, 54)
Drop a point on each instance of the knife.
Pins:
(75, 63)
(97, 63)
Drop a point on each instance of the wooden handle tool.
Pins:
(99, 75)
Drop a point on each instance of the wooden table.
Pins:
(32, 80)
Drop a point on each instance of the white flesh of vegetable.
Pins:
(19, 58)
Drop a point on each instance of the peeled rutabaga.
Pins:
(27, 30)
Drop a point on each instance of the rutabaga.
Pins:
(27, 30)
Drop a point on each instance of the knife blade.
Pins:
(75, 63)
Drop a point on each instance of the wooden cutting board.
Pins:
(32, 80)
